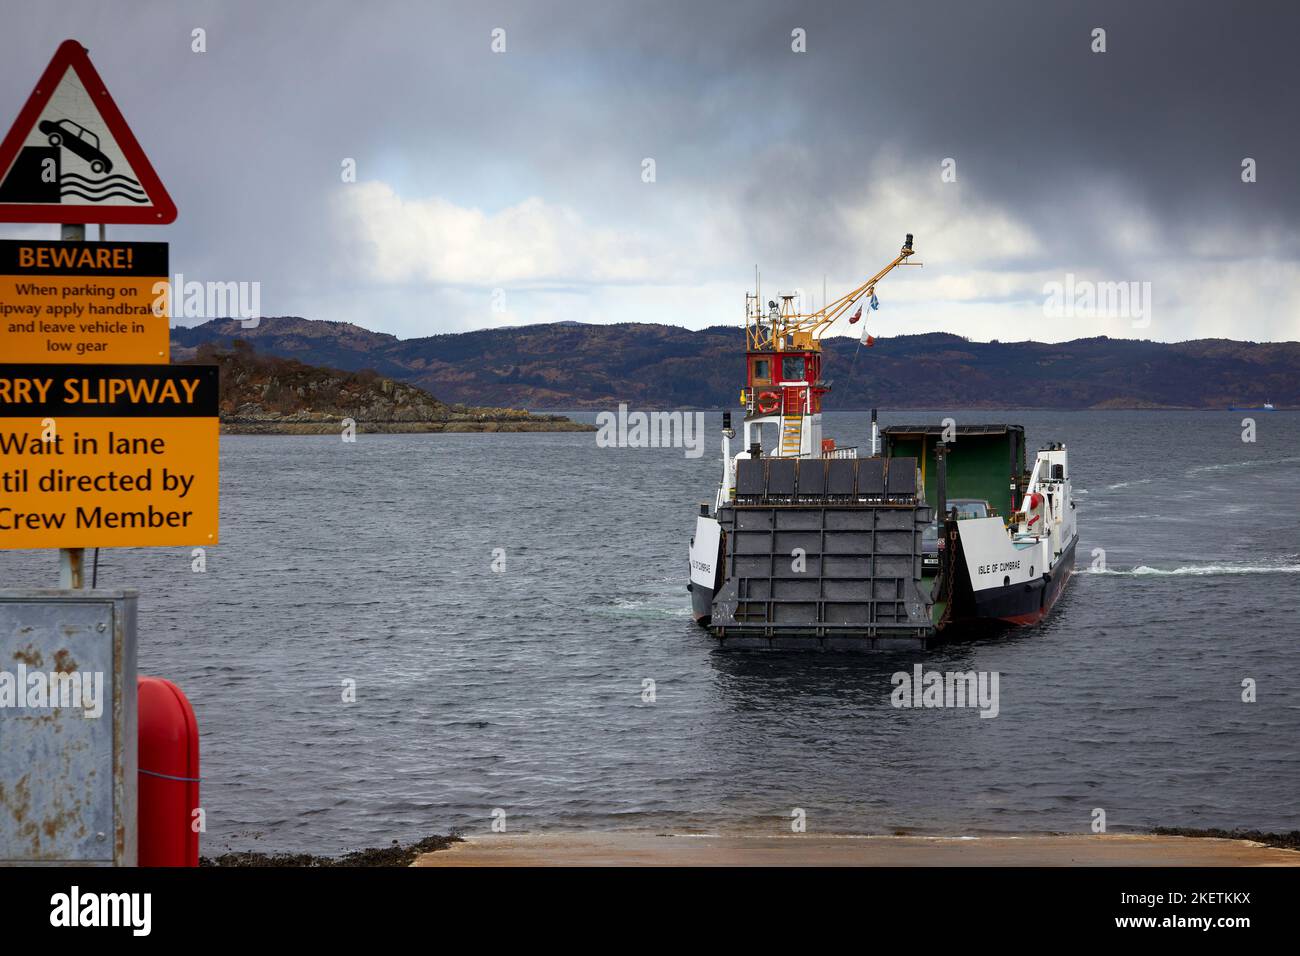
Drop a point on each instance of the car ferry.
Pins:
(932, 529)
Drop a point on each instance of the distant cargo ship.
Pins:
(1266, 407)
(809, 545)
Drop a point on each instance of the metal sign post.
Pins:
(72, 561)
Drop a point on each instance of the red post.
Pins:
(169, 775)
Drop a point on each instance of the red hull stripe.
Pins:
(1036, 616)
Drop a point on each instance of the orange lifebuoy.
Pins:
(768, 402)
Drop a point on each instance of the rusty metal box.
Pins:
(68, 748)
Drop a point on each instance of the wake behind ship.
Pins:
(810, 545)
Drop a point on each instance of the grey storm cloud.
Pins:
(760, 147)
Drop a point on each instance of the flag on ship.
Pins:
(867, 340)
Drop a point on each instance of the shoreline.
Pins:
(651, 848)
(1161, 847)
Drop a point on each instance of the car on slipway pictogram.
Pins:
(79, 140)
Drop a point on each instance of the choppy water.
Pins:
(523, 690)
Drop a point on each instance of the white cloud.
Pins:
(531, 243)
(685, 256)
(951, 223)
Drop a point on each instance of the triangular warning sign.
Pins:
(71, 158)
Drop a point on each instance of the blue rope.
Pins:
(167, 776)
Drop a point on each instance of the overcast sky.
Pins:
(522, 171)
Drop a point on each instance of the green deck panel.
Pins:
(979, 466)
(936, 611)
(938, 607)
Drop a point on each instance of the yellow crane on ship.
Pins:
(781, 328)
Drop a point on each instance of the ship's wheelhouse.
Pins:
(783, 383)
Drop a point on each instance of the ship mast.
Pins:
(783, 327)
(783, 368)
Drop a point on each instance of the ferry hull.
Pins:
(815, 553)
(701, 603)
(1022, 604)
(706, 561)
(826, 554)
(1028, 602)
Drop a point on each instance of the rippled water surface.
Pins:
(523, 689)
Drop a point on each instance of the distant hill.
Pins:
(266, 394)
(574, 365)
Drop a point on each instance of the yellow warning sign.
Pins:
(108, 456)
(84, 302)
